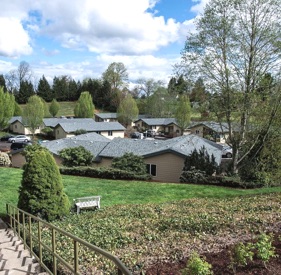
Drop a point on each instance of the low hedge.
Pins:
(103, 173)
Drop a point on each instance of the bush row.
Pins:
(103, 173)
(199, 177)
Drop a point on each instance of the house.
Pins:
(93, 142)
(210, 130)
(67, 128)
(164, 158)
(17, 126)
(168, 126)
(106, 117)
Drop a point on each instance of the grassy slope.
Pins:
(115, 192)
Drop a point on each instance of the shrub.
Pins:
(41, 191)
(241, 255)
(131, 163)
(80, 132)
(198, 161)
(4, 159)
(264, 247)
(47, 131)
(76, 156)
(193, 176)
(103, 173)
(197, 266)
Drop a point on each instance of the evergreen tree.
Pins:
(73, 90)
(61, 88)
(25, 92)
(44, 90)
(3, 82)
(54, 108)
(41, 191)
(84, 107)
(7, 107)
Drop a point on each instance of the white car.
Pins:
(227, 151)
(20, 138)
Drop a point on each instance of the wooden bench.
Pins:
(87, 202)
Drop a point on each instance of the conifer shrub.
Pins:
(130, 163)
(76, 156)
(197, 166)
(41, 191)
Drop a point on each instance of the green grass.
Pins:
(116, 192)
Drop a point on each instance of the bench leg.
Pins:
(78, 210)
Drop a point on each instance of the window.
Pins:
(151, 169)
(109, 133)
(98, 132)
(197, 132)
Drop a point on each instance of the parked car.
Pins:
(20, 145)
(149, 133)
(6, 137)
(227, 151)
(20, 138)
(137, 135)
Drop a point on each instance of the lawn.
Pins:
(157, 222)
(116, 192)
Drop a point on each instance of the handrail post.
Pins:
(54, 251)
(30, 233)
(18, 222)
(40, 242)
(24, 233)
(76, 264)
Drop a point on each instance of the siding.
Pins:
(168, 167)
(17, 127)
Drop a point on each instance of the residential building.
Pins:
(215, 131)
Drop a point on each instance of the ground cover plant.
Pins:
(167, 223)
(159, 238)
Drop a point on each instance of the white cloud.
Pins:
(14, 40)
(106, 30)
(108, 26)
(199, 7)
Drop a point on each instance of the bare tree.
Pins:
(236, 44)
(15, 77)
(147, 86)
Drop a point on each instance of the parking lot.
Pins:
(5, 146)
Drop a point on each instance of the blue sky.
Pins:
(80, 38)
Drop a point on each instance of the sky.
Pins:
(81, 38)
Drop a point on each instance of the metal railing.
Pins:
(30, 229)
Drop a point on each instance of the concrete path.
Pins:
(14, 260)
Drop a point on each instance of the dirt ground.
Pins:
(221, 264)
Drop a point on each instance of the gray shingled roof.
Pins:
(52, 122)
(183, 145)
(158, 121)
(95, 147)
(90, 125)
(14, 119)
(215, 126)
(106, 115)
(91, 137)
